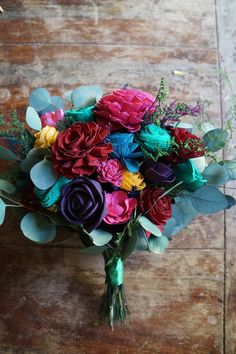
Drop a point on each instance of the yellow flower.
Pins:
(130, 180)
(46, 137)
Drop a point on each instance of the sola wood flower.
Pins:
(110, 171)
(46, 137)
(123, 109)
(79, 149)
(132, 181)
(51, 118)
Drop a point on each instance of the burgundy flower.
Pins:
(79, 149)
(157, 210)
(189, 146)
(123, 109)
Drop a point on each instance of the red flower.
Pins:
(189, 146)
(79, 149)
(157, 210)
(123, 109)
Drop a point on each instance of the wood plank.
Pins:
(109, 22)
(226, 11)
(49, 302)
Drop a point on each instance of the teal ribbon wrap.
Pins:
(115, 272)
(51, 195)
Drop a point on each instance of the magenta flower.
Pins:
(110, 171)
(123, 109)
(51, 118)
(119, 207)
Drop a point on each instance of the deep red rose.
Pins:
(157, 210)
(79, 149)
(189, 146)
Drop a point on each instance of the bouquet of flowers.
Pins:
(121, 170)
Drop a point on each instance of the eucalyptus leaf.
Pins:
(85, 96)
(7, 186)
(100, 237)
(6, 154)
(39, 99)
(158, 244)
(215, 139)
(131, 242)
(231, 201)
(216, 174)
(149, 226)
(57, 102)
(208, 199)
(2, 211)
(32, 119)
(42, 175)
(33, 157)
(142, 241)
(67, 96)
(169, 227)
(37, 228)
(231, 168)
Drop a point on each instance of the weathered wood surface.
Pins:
(49, 295)
(226, 11)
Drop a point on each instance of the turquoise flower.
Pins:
(154, 139)
(189, 174)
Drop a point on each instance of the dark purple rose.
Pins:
(83, 203)
(156, 172)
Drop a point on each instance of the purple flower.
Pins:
(83, 203)
(156, 172)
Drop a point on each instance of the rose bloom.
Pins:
(123, 109)
(119, 207)
(190, 145)
(83, 203)
(157, 210)
(46, 137)
(110, 171)
(79, 149)
(51, 118)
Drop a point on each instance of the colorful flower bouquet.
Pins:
(121, 170)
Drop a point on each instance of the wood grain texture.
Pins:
(226, 11)
(50, 297)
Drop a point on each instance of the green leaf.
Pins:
(216, 174)
(158, 244)
(142, 241)
(39, 99)
(231, 201)
(85, 96)
(208, 200)
(42, 175)
(149, 226)
(57, 102)
(93, 250)
(215, 139)
(100, 237)
(6, 154)
(37, 228)
(231, 168)
(33, 157)
(32, 119)
(2, 211)
(131, 242)
(7, 186)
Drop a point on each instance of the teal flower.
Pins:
(189, 174)
(154, 139)
(82, 115)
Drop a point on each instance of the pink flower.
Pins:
(51, 118)
(110, 171)
(119, 207)
(123, 109)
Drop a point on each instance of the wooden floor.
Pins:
(182, 302)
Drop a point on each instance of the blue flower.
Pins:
(125, 150)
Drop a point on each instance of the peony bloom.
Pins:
(189, 145)
(157, 210)
(132, 180)
(46, 137)
(110, 171)
(51, 118)
(119, 207)
(83, 203)
(156, 172)
(154, 139)
(123, 109)
(79, 149)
